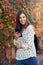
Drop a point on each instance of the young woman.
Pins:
(24, 41)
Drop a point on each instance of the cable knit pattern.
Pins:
(27, 41)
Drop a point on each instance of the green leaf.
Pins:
(0, 6)
(28, 0)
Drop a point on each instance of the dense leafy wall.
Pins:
(8, 11)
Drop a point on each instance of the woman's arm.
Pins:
(16, 43)
(27, 39)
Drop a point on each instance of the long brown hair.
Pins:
(18, 24)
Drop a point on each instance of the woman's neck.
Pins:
(25, 26)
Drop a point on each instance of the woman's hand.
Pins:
(18, 46)
(17, 35)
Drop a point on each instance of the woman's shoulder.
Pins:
(30, 27)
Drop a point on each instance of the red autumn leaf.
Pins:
(0, 10)
(1, 25)
(6, 32)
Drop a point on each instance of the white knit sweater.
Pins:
(27, 41)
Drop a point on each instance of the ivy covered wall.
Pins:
(8, 11)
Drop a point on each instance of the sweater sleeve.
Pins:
(27, 38)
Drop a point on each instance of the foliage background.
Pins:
(8, 11)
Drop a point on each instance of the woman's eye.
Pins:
(22, 17)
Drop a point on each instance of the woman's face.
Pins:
(22, 19)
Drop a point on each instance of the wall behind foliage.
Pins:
(8, 11)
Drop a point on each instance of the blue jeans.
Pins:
(29, 61)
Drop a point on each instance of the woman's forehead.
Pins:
(22, 14)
